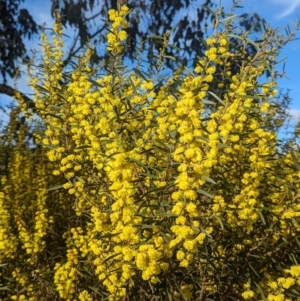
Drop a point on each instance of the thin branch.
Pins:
(66, 61)
(92, 17)
(5, 89)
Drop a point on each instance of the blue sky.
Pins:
(278, 13)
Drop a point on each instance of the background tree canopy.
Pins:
(86, 17)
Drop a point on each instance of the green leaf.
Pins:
(165, 237)
(95, 290)
(56, 187)
(147, 226)
(261, 216)
(48, 146)
(209, 9)
(94, 83)
(208, 102)
(243, 39)
(106, 22)
(155, 37)
(293, 258)
(140, 73)
(55, 116)
(208, 179)
(220, 222)
(137, 162)
(111, 257)
(4, 288)
(171, 132)
(217, 97)
(83, 146)
(80, 179)
(228, 18)
(168, 214)
(170, 57)
(132, 84)
(294, 158)
(174, 47)
(189, 71)
(149, 175)
(250, 265)
(261, 292)
(205, 193)
(294, 291)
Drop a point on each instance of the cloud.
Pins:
(288, 7)
(295, 113)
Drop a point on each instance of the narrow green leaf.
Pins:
(261, 216)
(149, 175)
(170, 57)
(83, 146)
(168, 214)
(228, 18)
(4, 288)
(54, 187)
(155, 37)
(95, 290)
(171, 132)
(140, 73)
(48, 146)
(55, 116)
(94, 83)
(220, 222)
(250, 265)
(174, 47)
(80, 179)
(208, 102)
(295, 222)
(147, 226)
(243, 39)
(294, 291)
(208, 179)
(261, 292)
(132, 84)
(253, 43)
(111, 257)
(137, 162)
(189, 71)
(106, 22)
(216, 97)
(293, 258)
(209, 9)
(296, 162)
(165, 237)
(205, 193)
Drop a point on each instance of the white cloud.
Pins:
(288, 7)
(295, 113)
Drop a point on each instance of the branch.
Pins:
(73, 52)
(5, 89)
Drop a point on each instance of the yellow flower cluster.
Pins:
(117, 34)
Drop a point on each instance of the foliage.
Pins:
(85, 18)
(16, 24)
(160, 187)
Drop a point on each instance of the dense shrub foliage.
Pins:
(143, 187)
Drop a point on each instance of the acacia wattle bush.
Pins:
(158, 189)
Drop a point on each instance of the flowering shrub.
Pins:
(157, 190)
